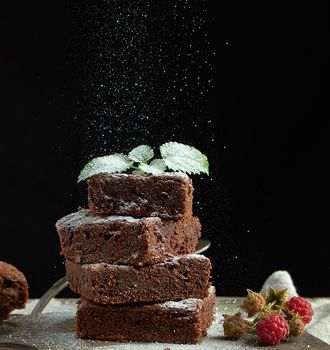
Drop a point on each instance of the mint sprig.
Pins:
(141, 154)
(114, 163)
(175, 156)
(180, 157)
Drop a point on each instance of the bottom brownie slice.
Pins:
(184, 321)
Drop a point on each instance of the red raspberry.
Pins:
(302, 307)
(272, 329)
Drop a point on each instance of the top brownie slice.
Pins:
(168, 196)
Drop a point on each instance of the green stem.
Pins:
(273, 303)
(255, 321)
(135, 167)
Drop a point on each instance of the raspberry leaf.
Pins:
(114, 163)
(141, 154)
(181, 157)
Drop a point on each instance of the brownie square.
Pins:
(181, 277)
(13, 289)
(184, 321)
(87, 238)
(167, 196)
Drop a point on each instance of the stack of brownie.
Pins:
(131, 257)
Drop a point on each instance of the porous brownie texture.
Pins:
(167, 196)
(184, 321)
(181, 277)
(89, 238)
(13, 289)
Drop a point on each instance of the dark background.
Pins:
(246, 85)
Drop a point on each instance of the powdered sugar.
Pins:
(179, 258)
(164, 175)
(176, 174)
(85, 216)
(127, 205)
(186, 304)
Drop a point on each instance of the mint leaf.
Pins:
(158, 163)
(114, 163)
(180, 157)
(156, 167)
(138, 172)
(141, 154)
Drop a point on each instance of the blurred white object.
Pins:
(320, 325)
(280, 280)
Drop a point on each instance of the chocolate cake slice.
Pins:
(180, 277)
(184, 321)
(87, 238)
(167, 196)
(13, 289)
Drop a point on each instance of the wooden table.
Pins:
(54, 329)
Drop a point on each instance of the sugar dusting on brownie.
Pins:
(129, 205)
(181, 304)
(178, 258)
(165, 174)
(84, 216)
(190, 303)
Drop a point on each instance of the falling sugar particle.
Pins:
(139, 54)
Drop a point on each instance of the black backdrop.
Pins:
(87, 78)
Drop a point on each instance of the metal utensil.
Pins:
(17, 346)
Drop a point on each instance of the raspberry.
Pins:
(296, 327)
(253, 303)
(272, 329)
(234, 326)
(302, 307)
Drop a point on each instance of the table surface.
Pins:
(54, 329)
